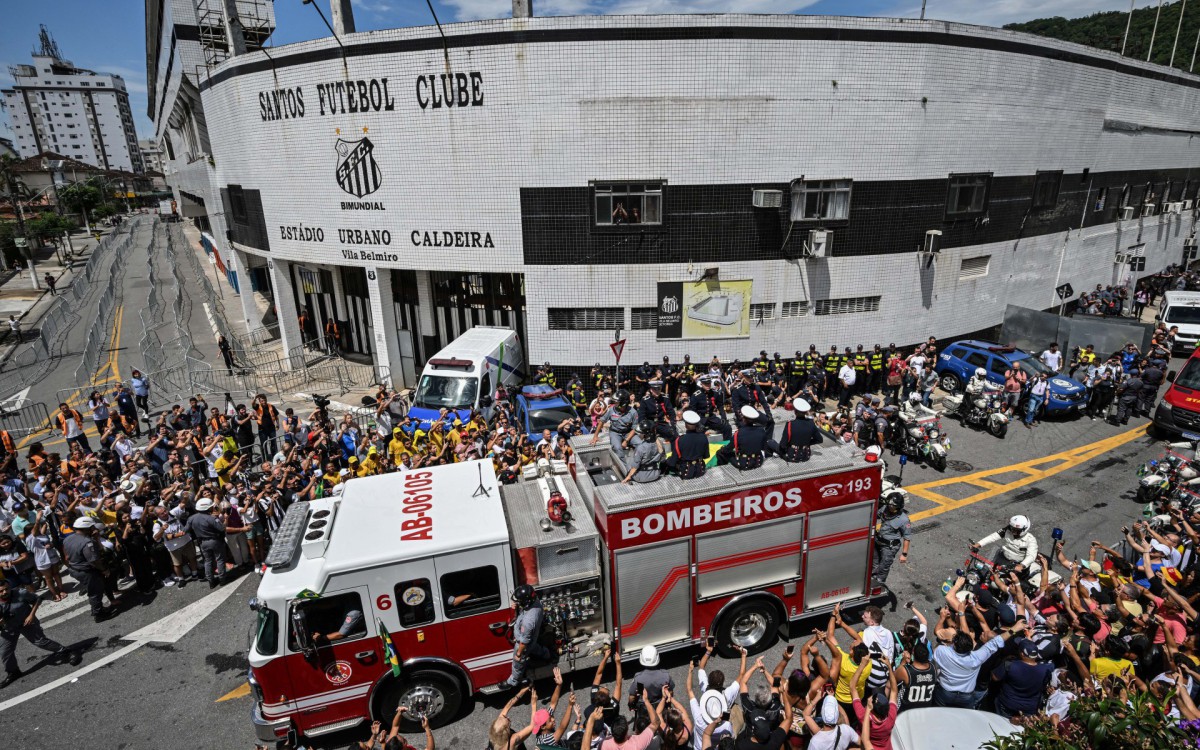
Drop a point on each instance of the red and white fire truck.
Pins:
(432, 556)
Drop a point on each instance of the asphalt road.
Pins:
(154, 675)
(167, 688)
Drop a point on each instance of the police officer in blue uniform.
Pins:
(799, 435)
(709, 405)
(658, 409)
(747, 448)
(748, 393)
(690, 449)
(527, 626)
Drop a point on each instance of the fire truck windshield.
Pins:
(1189, 376)
(438, 391)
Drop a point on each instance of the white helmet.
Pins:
(1018, 525)
(649, 656)
(980, 372)
(914, 397)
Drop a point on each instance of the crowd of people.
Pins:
(1022, 633)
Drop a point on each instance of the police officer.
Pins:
(576, 395)
(833, 363)
(891, 536)
(620, 420)
(708, 404)
(657, 408)
(643, 376)
(645, 464)
(546, 376)
(862, 365)
(1152, 380)
(762, 365)
(596, 379)
(745, 451)
(209, 530)
(1129, 394)
(527, 627)
(686, 373)
(817, 379)
(875, 362)
(86, 564)
(691, 449)
(799, 435)
(797, 373)
(18, 617)
(748, 393)
(666, 374)
(1104, 387)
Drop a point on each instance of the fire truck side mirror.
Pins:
(300, 626)
(253, 604)
(485, 402)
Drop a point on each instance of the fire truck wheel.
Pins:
(436, 694)
(753, 625)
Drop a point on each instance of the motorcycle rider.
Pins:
(914, 409)
(1019, 548)
(979, 384)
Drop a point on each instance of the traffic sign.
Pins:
(1065, 291)
(20, 242)
(617, 347)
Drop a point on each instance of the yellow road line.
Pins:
(1065, 460)
(238, 692)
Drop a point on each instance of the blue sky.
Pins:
(109, 35)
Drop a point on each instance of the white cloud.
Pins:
(378, 8)
(466, 10)
(1000, 12)
(135, 78)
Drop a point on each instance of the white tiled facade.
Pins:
(696, 112)
(54, 106)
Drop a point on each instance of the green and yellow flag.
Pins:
(308, 594)
(389, 650)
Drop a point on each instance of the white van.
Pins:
(463, 376)
(1182, 309)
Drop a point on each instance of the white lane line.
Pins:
(68, 678)
(167, 630)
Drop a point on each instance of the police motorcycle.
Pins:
(979, 405)
(918, 433)
(1016, 544)
(1172, 479)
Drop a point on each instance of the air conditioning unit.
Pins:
(316, 535)
(1121, 258)
(767, 198)
(1189, 244)
(1187, 205)
(1126, 213)
(1149, 209)
(933, 242)
(818, 243)
(1174, 208)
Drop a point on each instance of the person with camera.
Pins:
(957, 659)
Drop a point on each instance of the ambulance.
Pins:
(463, 376)
(397, 591)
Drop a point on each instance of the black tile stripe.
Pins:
(699, 33)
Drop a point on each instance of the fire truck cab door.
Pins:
(331, 680)
(474, 588)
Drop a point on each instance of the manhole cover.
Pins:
(959, 466)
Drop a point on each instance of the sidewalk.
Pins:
(19, 298)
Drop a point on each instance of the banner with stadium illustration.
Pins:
(706, 309)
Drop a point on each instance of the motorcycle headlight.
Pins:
(933, 434)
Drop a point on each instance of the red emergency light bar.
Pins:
(546, 394)
(461, 364)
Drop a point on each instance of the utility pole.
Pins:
(1154, 31)
(1178, 28)
(1128, 21)
(12, 194)
(923, 10)
(1195, 47)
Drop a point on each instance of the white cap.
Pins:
(749, 412)
(691, 417)
(829, 711)
(800, 404)
(84, 522)
(649, 657)
(203, 506)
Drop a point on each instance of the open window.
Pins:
(339, 613)
(627, 203)
(471, 591)
(1045, 189)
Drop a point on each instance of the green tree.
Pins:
(80, 196)
(1104, 722)
(49, 227)
(1107, 31)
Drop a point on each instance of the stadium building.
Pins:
(705, 184)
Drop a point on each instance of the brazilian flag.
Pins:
(308, 594)
(389, 649)
(709, 462)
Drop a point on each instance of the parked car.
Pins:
(541, 407)
(958, 361)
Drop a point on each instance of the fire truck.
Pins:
(431, 556)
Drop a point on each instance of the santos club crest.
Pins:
(357, 172)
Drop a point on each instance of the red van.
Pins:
(1178, 411)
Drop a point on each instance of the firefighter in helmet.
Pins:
(527, 627)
